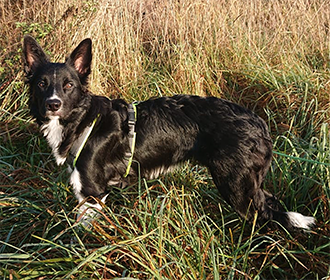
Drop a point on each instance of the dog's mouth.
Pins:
(51, 114)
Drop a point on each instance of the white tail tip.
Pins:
(300, 221)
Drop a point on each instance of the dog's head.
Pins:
(56, 89)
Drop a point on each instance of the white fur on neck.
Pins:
(53, 131)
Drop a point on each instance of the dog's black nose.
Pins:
(53, 105)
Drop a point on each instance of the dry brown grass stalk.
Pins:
(194, 41)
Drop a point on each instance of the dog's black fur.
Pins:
(230, 140)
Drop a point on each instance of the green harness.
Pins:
(132, 117)
(84, 142)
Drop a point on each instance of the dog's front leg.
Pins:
(88, 211)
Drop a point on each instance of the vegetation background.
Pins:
(271, 56)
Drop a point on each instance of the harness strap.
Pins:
(84, 142)
(132, 117)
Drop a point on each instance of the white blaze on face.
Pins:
(55, 93)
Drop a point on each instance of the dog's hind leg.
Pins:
(240, 185)
(238, 190)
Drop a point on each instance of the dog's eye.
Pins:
(42, 84)
(68, 85)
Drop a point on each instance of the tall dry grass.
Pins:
(186, 46)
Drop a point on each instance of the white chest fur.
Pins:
(53, 131)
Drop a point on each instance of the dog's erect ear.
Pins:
(34, 56)
(81, 59)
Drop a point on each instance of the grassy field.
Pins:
(271, 56)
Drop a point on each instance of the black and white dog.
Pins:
(96, 136)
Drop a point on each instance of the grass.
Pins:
(270, 56)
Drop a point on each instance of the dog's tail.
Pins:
(271, 212)
(270, 209)
(293, 220)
